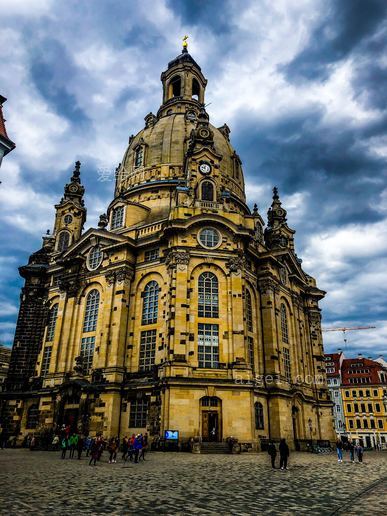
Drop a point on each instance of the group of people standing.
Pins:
(133, 448)
(283, 451)
(354, 448)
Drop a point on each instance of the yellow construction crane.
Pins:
(344, 330)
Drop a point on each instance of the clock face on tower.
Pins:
(205, 168)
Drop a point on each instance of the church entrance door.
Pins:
(211, 419)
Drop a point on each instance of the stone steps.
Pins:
(210, 447)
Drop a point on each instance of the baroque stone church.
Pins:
(181, 311)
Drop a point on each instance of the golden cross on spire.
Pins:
(185, 43)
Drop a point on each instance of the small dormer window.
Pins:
(117, 217)
(139, 156)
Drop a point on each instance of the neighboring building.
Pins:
(333, 363)
(179, 311)
(364, 392)
(5, 356)
(6, 145)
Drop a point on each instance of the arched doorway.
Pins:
(211, 418)
(295, 420)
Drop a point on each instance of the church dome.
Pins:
(158, 153)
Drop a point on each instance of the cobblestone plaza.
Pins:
(182, 483)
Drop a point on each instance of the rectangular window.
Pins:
(372, 423)
(368, 394)
(377, 407)
(350, 423)
(380, 423)
(347, 394)
(362, 405)
(87, 352)
(338, 408)
(250, 351)
(358, 424)
(208, 345)
(138, 413)
(356, 406)
(370, 407)
(118, 217)
(361, 394)
(375, 392)
(354, 394)
(46, 361)
(147, 350)
(152, 254)
(365, 423)
(349, 408)
(286, 364)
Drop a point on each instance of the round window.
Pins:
(209, 237)
(94, 259)
(68, 219)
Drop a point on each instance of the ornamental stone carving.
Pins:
(236, 264)
(119, 275)
(175, 258)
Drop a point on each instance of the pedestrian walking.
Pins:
(63, 445)
(94, 452)
(55, 443)
(131, 447)
(137, 447)
(124, 448)
(112, 449)
(351, 449)
(272, 451)
(284, 454)
(88, 443)
(359, 452)
(339, 449)
(80, 445)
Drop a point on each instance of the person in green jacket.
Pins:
(73, 444)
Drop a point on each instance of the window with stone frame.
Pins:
(32, 417)
(284, 324)
(87, 353)
(118, 217)
(250, 351)
(150, 305)
(286, 364)
(63, 241)
(249, 311)
(208, 295)
(46, 361)
(147, 350)
(138, 413)
(139, 156)
(259, 417)
(51, 324)
(207, 191)
(208, 345)
(152, 254)
(91, 311)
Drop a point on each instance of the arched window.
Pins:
(33, 417)
(195, 89)
(249, 311)
(207, 191)
(175, 87)
(208, 301)
(139, 156)
(64, 241)
(52, 316)
(117, 217)
(91, 311)
(210, 401)
(150, 306)
(259, 419)
(284, 324)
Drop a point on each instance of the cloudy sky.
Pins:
(301, 83)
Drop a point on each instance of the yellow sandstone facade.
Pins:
(180, 311)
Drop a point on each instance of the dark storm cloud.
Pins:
(214, 14)
(346, 25)
(302, 153)
(52, 72)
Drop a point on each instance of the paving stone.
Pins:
(179, 483)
